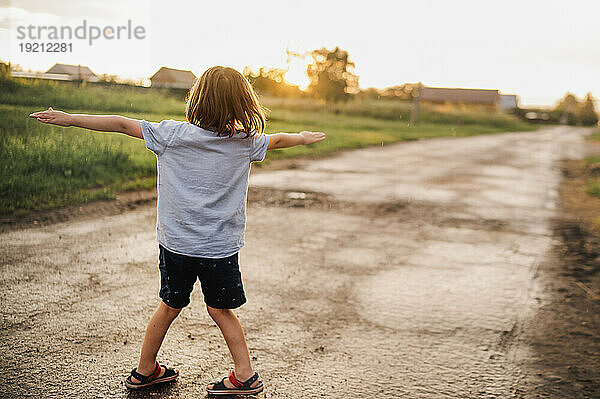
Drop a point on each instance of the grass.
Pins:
(596, 135)
(593, 187)
(401, 110)
(46, 166)
(593, 183)
(90, 97)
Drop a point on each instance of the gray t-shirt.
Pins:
(202, 186)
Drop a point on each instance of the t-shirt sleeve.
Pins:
(258, 147)
(158, 135)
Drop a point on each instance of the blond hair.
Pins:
(223, 100)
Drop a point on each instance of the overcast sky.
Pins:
(537, 49)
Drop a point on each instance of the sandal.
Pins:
(148, 380)
(240, 388)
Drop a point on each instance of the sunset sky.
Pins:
(536, 49)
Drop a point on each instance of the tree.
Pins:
(587, 112)
(370, 93)
(106, 78)
(576, 112)
(331, 76)
(569, 103)
(7, 82)
(271, 81)
(569, 107)
(4, 70)
(406, 91)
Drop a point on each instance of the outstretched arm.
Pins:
(102, 123)
(285, 140)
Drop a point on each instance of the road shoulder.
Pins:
(565, 333)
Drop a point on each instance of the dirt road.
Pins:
(408, 270)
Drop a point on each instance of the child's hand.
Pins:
(312, 137)
(53, 117)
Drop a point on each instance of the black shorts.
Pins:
(220, 278)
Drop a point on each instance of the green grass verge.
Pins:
(593, 184)
(46, 166)
(40, 94)
(593, 187)
(401, 110)
(595, 135)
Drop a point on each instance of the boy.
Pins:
(203, 169)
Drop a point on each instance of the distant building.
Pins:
(441, 95)
(173, 78)
(509, 101)
(73, 72)
(60, 72)
(39, 75)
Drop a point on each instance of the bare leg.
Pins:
(155, 333)
(236, 342)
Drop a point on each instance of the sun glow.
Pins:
(296, 72)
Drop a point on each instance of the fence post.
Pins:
(414, 112)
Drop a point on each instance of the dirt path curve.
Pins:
(411, 272)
